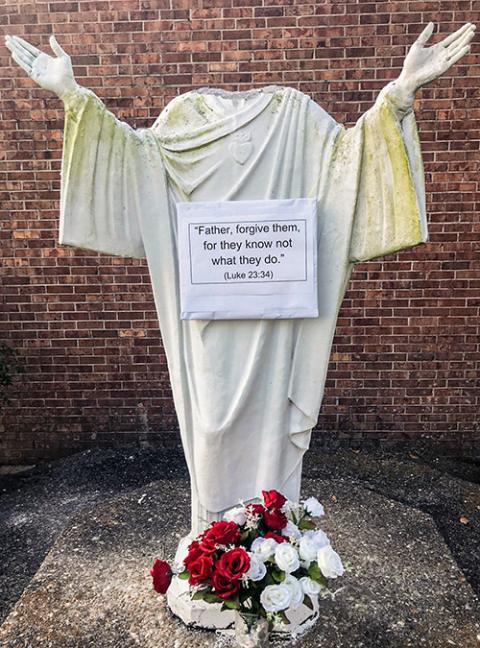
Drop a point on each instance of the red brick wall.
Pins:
(406, 356)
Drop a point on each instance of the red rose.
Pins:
(255, 509)
(200, 570)
(276, 520)
(232, 564)
(162, 576)
(275, 536)
(208, 546)
(194, 552)
(224, 587)
(273, 499)
(221, 532)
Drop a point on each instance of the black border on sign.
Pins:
(227, 283)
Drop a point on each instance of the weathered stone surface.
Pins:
(200, 614)
(93, 589)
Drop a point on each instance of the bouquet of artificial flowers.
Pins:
(261, 559)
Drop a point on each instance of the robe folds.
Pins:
(247, 392)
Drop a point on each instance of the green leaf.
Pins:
(210, 597)
(306, 524)
(308, 602)
(206, 595)
(278, 575)
(231, 604)
(314, 571)
(199, 595)
(244, 537)
(316, 575)
(269, 579)
(185, 575)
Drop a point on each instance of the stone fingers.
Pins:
(460, 43)
(20, 55)
(464, 50)
(457, 34)
(14, 45)
(57, 49)
(25, 56)
(22, 64)
(26, 45)
(426, 33)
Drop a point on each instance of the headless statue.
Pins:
(247, 392)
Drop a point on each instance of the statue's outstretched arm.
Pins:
(53, 73)
(424, 64)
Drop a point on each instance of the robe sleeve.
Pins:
(390, 204)
(99, 207)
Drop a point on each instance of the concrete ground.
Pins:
(78, 535)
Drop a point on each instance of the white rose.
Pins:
(257, 569)
(314, 507)
(310, 543)
(275, 598)
(307, 549)
(264, 547)
(237, 515)
(295, 588)
(291, 531)
(329, 562)
(320, 538)
(286, 557)
(309, 586)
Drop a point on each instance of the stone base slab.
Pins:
(93, 589)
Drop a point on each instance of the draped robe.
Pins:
(247, 392)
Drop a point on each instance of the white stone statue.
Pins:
(247, 393)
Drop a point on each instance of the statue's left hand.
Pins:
(424, 64)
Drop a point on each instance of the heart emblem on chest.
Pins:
(241, 147)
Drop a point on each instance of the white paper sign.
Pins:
(254, 259)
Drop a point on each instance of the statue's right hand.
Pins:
(53, 73)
